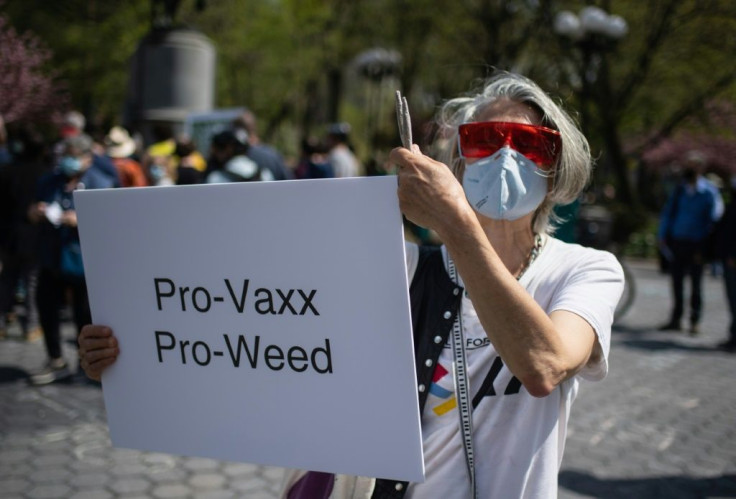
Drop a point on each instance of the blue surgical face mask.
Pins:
(158, 172)
(70, 166)
(505, 185)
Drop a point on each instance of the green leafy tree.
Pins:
(293, 63)
(661, 73)
(92, 42)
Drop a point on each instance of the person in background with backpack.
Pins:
(229, 162)
(685, 227)
(265, 156)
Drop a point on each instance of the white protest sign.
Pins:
(259, 322)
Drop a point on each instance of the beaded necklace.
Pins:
(536, 249)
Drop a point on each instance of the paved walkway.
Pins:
(662, 425)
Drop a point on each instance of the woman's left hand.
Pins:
(429, 193)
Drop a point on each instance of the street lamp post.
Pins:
(595, 33)
(376, 65)
(592, 21)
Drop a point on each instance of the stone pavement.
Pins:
(662, 425)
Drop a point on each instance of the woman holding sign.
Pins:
(506, 318)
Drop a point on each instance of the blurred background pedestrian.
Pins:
(313, 161)
(229, 162)
(685, 230)
(61, 272)
(190, 164)
(158, 160)
(18, 237)
(726, 252)
(265, 156)
(341, 155)
(121, 148)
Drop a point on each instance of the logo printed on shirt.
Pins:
(487, 389)
(471, 343)
(439, 391)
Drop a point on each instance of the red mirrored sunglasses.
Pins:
(540, 144)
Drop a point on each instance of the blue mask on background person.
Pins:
(158, 172)
(505, 185)
(70, 166)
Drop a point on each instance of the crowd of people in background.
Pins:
(697, 230)
(41, 273)
(40, 261)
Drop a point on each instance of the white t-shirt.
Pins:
(518, 439)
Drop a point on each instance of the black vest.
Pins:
(435, 302)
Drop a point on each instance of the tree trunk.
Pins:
(334, 94)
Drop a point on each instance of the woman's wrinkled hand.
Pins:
(429, 193)
(98, 349)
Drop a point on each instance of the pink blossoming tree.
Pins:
(29, 93)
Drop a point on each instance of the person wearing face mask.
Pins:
(60, 264)
(532, 314)
(686, 224)
(535, 313)
(506, 319)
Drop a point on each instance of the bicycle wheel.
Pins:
(627, 298)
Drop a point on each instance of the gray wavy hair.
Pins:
(572, 172)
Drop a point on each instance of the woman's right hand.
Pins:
(98, 348)
(429, 194)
